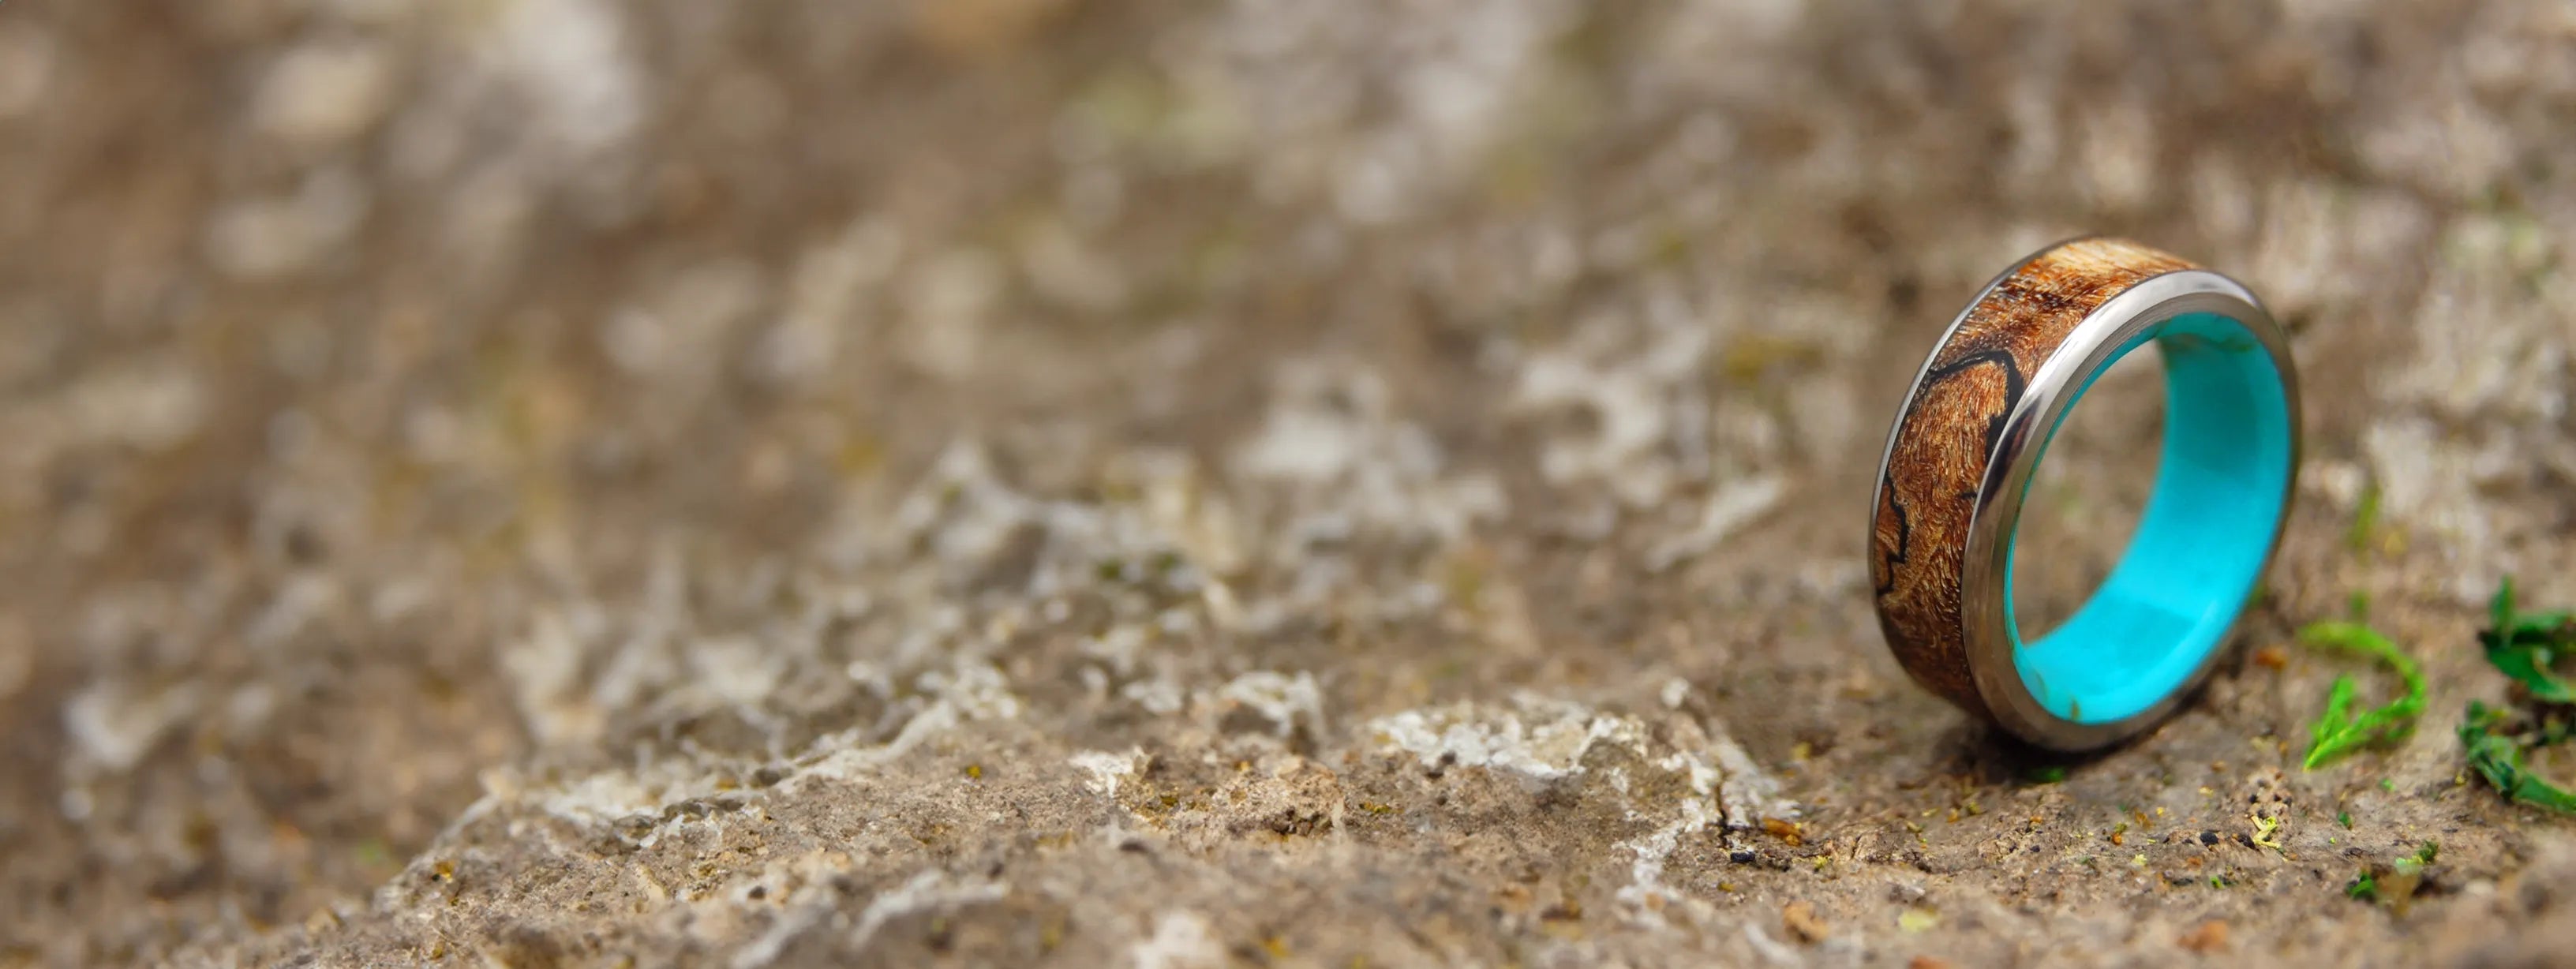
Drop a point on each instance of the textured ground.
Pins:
(561, 482)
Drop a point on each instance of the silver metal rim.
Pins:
(2051, 392)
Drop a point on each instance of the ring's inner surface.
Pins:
(2200, 544)
(2083, 504)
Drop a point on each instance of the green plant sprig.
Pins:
(2339, 731)
(2499, 757)
(2522, 645)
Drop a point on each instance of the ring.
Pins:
(1973, 430)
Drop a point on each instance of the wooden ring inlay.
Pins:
(1946, 436)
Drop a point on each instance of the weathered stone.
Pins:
(815, 483)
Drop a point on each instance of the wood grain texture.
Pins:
(1947, 435)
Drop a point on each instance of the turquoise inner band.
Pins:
(2199, 547)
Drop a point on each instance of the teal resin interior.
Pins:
(2199, 546)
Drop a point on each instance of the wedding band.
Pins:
(1972, 432)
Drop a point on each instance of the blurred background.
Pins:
(451, 451)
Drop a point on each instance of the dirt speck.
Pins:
(2206, 938)
(1803, 923)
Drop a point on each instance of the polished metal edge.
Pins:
(2051, 391)
(1905, 408)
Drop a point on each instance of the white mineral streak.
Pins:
(791, 923)
(1675, 691)
(1739, 790)
(1627, 411)
(285, 234)
(826, 297)
(1181, 940)
(1282, 699)
(948, 306)
(1770, 948)
(1537, 737)
(544, 669)
(1106, 770)
(115, 726)
(1333, 434)
(969, 693)
(2321, 244)
(1646, 871)
(1748, 792)
(1730, 507)
(1547, 739)
(572, 62)
(1431, 92)
(974, 692)
(925, 892)
(325, 92)
(599, 798)
(1160, 695)
(150, 404)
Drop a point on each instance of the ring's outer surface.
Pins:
(1970, 435)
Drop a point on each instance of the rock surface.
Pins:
(561, 482)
